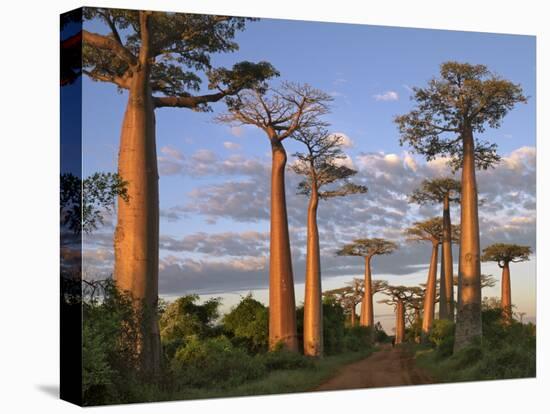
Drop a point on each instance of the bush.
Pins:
(213, 362)
(358, 338)
(247, 324)
(442, 337)
(283, 359)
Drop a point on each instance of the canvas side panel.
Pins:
(71, 203)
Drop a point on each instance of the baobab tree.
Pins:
(443, 191)
(351, 295)
(430, 230)
(399, 296)
(367, 248)
(158, 58)
(464, 100)
(321, 166)
(280, 113)
(504, 254)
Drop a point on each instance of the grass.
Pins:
(280, 381)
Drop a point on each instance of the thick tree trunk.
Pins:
(137, 230)
(446, 298)
(468, 321)
(313, 310)
(506, 293)
(367, 312)
(282, 307)
(136, 241)
(429, 296)
(399, 322)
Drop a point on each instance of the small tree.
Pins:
(443, 191)
(248, 322)
(504, 254)
(280, 113)
(399, 297)
(321, 168)
(367, 248)
(464, 100)
(430, 230)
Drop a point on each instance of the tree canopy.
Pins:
(464, 96)
(505, 253)
(322, 164)
(179, 45)
(279, 112)
(368, 248)
(430, 230)
(435, 190)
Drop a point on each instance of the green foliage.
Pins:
(430, 230)
(463, 97)
(367, 247)
(247, 324)
(283, 359)
(503, 253)
(333, 328)
(435, 190)
(380, 336)
(507, 350)
(357, 338)
(442, 337)
(213, 362)
(84, 202)
(184, 318)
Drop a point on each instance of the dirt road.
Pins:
(385, 368)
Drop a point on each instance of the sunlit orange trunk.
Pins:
(282, 307)
(399, 322)
(352, 316)
(446, 294)
(136, 241)
(313, 310)
(367, 312)
(429, 296)
(506, 293)
(468, 321)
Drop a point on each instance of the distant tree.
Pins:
(504, 254)
(430, 230)
(367, 248)
(161, 59)
(399, 296)
(445, 191)
(464, 100)
(321, 167)
(248, 322)
(280, 113)
(83, 203)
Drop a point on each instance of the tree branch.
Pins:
(117, 80)
(192, 102)
(106, 43)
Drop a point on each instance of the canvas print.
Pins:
(258, 206)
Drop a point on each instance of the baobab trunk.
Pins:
(282, 307)
(468, 322)
(429, 297)
(136, 237)
(446, 294)
(367, 313)
(506, 293)
(352, 316)
(399, 322)
(313, 310)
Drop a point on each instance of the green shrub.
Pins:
(358, 338)
(213, 362)
(283, 359)
(442, 337)
(247, 324)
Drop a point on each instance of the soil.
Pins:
(388, 367)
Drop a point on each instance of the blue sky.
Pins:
(369, 71)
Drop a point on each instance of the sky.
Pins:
(214, 178)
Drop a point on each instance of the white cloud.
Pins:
(387, 96)
(231, 145)
(172, 152)
(345, 140)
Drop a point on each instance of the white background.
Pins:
(29, 159)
